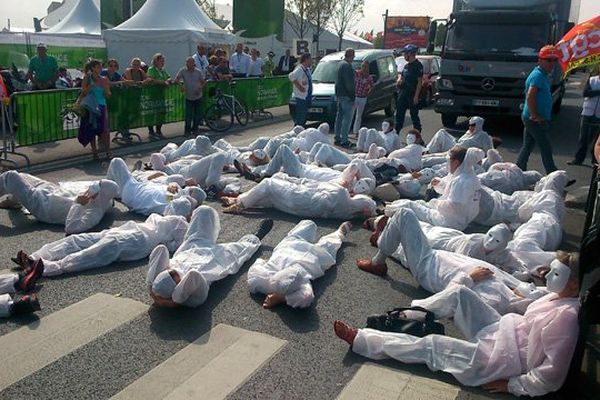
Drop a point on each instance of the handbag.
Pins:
(393, 321)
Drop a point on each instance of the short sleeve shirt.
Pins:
(115, 77)
(410, 76)
(43, 70)
(543, 97)
(191, 82)
(158, 74)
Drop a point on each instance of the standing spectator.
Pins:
(43, 69)
(64, 80)
(345, 94)
(268, 65)
(222, 71)
(239, 63)
(200, 59)
(95, 123)
(157, 75)
(409, 88)
(111, 72)
(256, 65)
(590, 117)
(193, 82)
(213, 63)
(537, 111)
(302, 80)
(363, 87)
(286, 63)
(135, 73)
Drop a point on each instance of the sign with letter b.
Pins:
(301, 46)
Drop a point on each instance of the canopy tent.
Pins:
(171, 27)
(84, 18)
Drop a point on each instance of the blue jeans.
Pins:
(533, 133)
(301, 111)
(343, 119)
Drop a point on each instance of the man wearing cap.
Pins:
(43, 69)
(537, 110)
(409, 88)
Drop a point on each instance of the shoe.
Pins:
(345, 331)
(148, 167)
(211, 192)
(137, 166)
(238, 166)
(337, 143)
(22, 260)
(367, 265)
(265, 227)
(379, 227)
(574, 162)
(26, 305)
(571, 182)
(251, 176)
(347, 145)
(28, 282)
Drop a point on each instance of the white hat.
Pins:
(94, 188)
(42, 45)
(163, 285)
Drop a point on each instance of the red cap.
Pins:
(548, 52)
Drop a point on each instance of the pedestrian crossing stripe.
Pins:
(212, 367)
(38, 344)
(376, 382)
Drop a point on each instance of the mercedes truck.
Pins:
(489, 47)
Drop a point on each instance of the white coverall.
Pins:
(532, 351)
(308, 137)
(128, 242)
(200, 260)
(367, 137)
(145, 197)
(493, 156)
(459, 203)
(434, 270)
(206, 170)
(443, 141)
(508, 178)
(296, 261)
(7, 286)
(307, 198)
(200, 145)
(409, 156)
(51, 203)
(286, 161)
(163, 179)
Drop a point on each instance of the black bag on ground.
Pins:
(393, 321)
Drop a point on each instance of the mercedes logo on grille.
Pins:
(488, 84)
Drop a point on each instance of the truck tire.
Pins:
(391, 107)
(449, 120)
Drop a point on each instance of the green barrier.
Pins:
(48, 116)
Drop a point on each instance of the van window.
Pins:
(382, 65)
(373, 71)
(392, 68)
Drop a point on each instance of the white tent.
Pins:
(84, 18)
(170, 27)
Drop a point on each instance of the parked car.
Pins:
(383, 96)
(431, 72)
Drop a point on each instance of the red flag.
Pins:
(580, 46)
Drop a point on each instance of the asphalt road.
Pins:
(313, 364)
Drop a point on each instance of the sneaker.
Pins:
(265, 227)
(26, 305)
(238, 166)
(28, 282)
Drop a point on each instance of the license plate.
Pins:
(486, 102)
(315, 110)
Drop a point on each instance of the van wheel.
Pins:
(391, 108)
(449, 120)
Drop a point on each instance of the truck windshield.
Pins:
(495, 39)
(326, 71)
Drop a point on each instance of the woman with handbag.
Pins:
(95, 90)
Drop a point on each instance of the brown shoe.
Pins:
(379, 227)
(345, 331)
(367, 265)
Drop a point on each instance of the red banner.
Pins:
(400, 31)
(580, 46)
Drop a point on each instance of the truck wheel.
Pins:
(556, 106)
(391, 108)
(449, 120)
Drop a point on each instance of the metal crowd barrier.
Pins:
(8, 138)
(49, 115)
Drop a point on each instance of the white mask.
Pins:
(385, 126)
(410, 138)
(360, 187)
(426, 175)
(530, 291)
(557, 277)
(496, 238)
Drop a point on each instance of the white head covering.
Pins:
(531, 177)
(259, 153)
(289, 279)
(556, 181)
(473, 156)
(180, 206)
(297, 129)
(94, 188)
(408, 188)
(427, 175)
(324, 128)
(360, 202)
(497, 237)
(385, 125)
(493, 157)
(478, 121)
(362, 130)
(196, 193)
(203, 144)
(163, 285)
(158, 161)
(361, 187)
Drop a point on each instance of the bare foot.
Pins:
(273, 299)
(234, 209)
(228, 201)
(345, 331)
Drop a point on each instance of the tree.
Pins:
(345, 15)
(297, 12)
(319, 14)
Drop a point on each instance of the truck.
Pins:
(489, 47)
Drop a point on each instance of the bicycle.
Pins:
(219, 116)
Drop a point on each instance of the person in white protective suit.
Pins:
(433, 269)
(306, 139)
(492, 157)
(128, 242)
(302, 197)
(368, 136)
(206, 170)
(200, 146)
(405, 186)
(459, 203)
(297, 260)
(410, 156)
(496, 207)
(525, 355)
(356, 177)
(20, 282)
(147, 197)
(390, 138)
(186, 277)
(507, 178)
(475, 136)
(266, 143)
(324, 154)
(49, 202)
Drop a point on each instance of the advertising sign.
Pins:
(400, 31)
